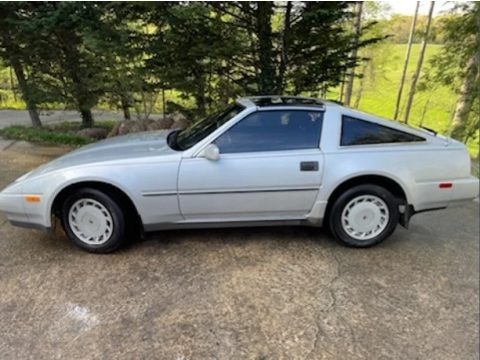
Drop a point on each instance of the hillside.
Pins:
(432, 108)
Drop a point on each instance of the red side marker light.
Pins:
(445, 185)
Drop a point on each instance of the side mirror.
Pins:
(211, 152)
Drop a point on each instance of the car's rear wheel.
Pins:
(94, 221)
(364, 215)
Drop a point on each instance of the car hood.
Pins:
(128, 147)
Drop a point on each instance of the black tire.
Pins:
(335, 217)
(117, 236)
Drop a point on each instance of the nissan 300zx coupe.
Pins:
(271, 160)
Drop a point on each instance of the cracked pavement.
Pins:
(253, 293)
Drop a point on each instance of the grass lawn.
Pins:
(433, 108)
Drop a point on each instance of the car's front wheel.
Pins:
(364, 215)
(94, 221)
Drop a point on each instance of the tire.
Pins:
(364, 216)
(94, 221)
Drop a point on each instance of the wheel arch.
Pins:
(388, 183)
(118, 194)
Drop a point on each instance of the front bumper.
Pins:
(21, 214)
(12, 206)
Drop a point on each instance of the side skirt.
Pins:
(229, 224)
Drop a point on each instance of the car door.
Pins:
(269, 168)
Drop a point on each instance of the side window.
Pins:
(361, 132)
(273, 130)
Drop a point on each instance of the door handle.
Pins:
(309, 166)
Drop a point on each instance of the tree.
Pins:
(14, 53)
(458, 66)
(190, 50)
(119, 40)
(416, 76)
(357, 29)
(376, 57)
(321, 50)
(63, 60)
(298, 47)
(264, 13)
(72, 70)
(468, 92)
(406, 61)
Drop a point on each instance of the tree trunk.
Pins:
(285, 38)
(351, 74)
(12, 85)
(163, 103)
(425, 108)
(69, 43)
(464, 103)
(405, 63)
(125, 103)
(87, 117)
(264, 33)
(360, 85)
(200, 101)
(200, 98)
(342, 87)
(24, 88)
(419, 65)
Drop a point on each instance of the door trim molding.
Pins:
(215, 192)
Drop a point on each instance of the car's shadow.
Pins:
(243, 235)
(278, 235)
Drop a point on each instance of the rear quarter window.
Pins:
(362, 132)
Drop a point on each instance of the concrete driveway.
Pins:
(257, 293)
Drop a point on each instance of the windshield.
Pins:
(186, 138)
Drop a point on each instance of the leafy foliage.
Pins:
(458, 66)
(202, 55)
(63, 134)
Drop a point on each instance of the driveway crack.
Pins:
(332, 305)
(13, 142)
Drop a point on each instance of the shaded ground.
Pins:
(256, 293)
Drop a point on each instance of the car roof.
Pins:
(276, 101)
(281, 100)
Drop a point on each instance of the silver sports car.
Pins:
(270, 160)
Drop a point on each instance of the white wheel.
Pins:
(90, 221)
(364, 217)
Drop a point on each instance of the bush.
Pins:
(43, 135)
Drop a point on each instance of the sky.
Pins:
(407, 7)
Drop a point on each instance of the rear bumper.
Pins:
(464, 190)
(429, 195)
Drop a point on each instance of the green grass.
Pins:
(60, 134)
(432, 108)
(71, 126)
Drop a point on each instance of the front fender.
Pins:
(134, 180)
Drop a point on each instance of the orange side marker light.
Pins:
(32, 198)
